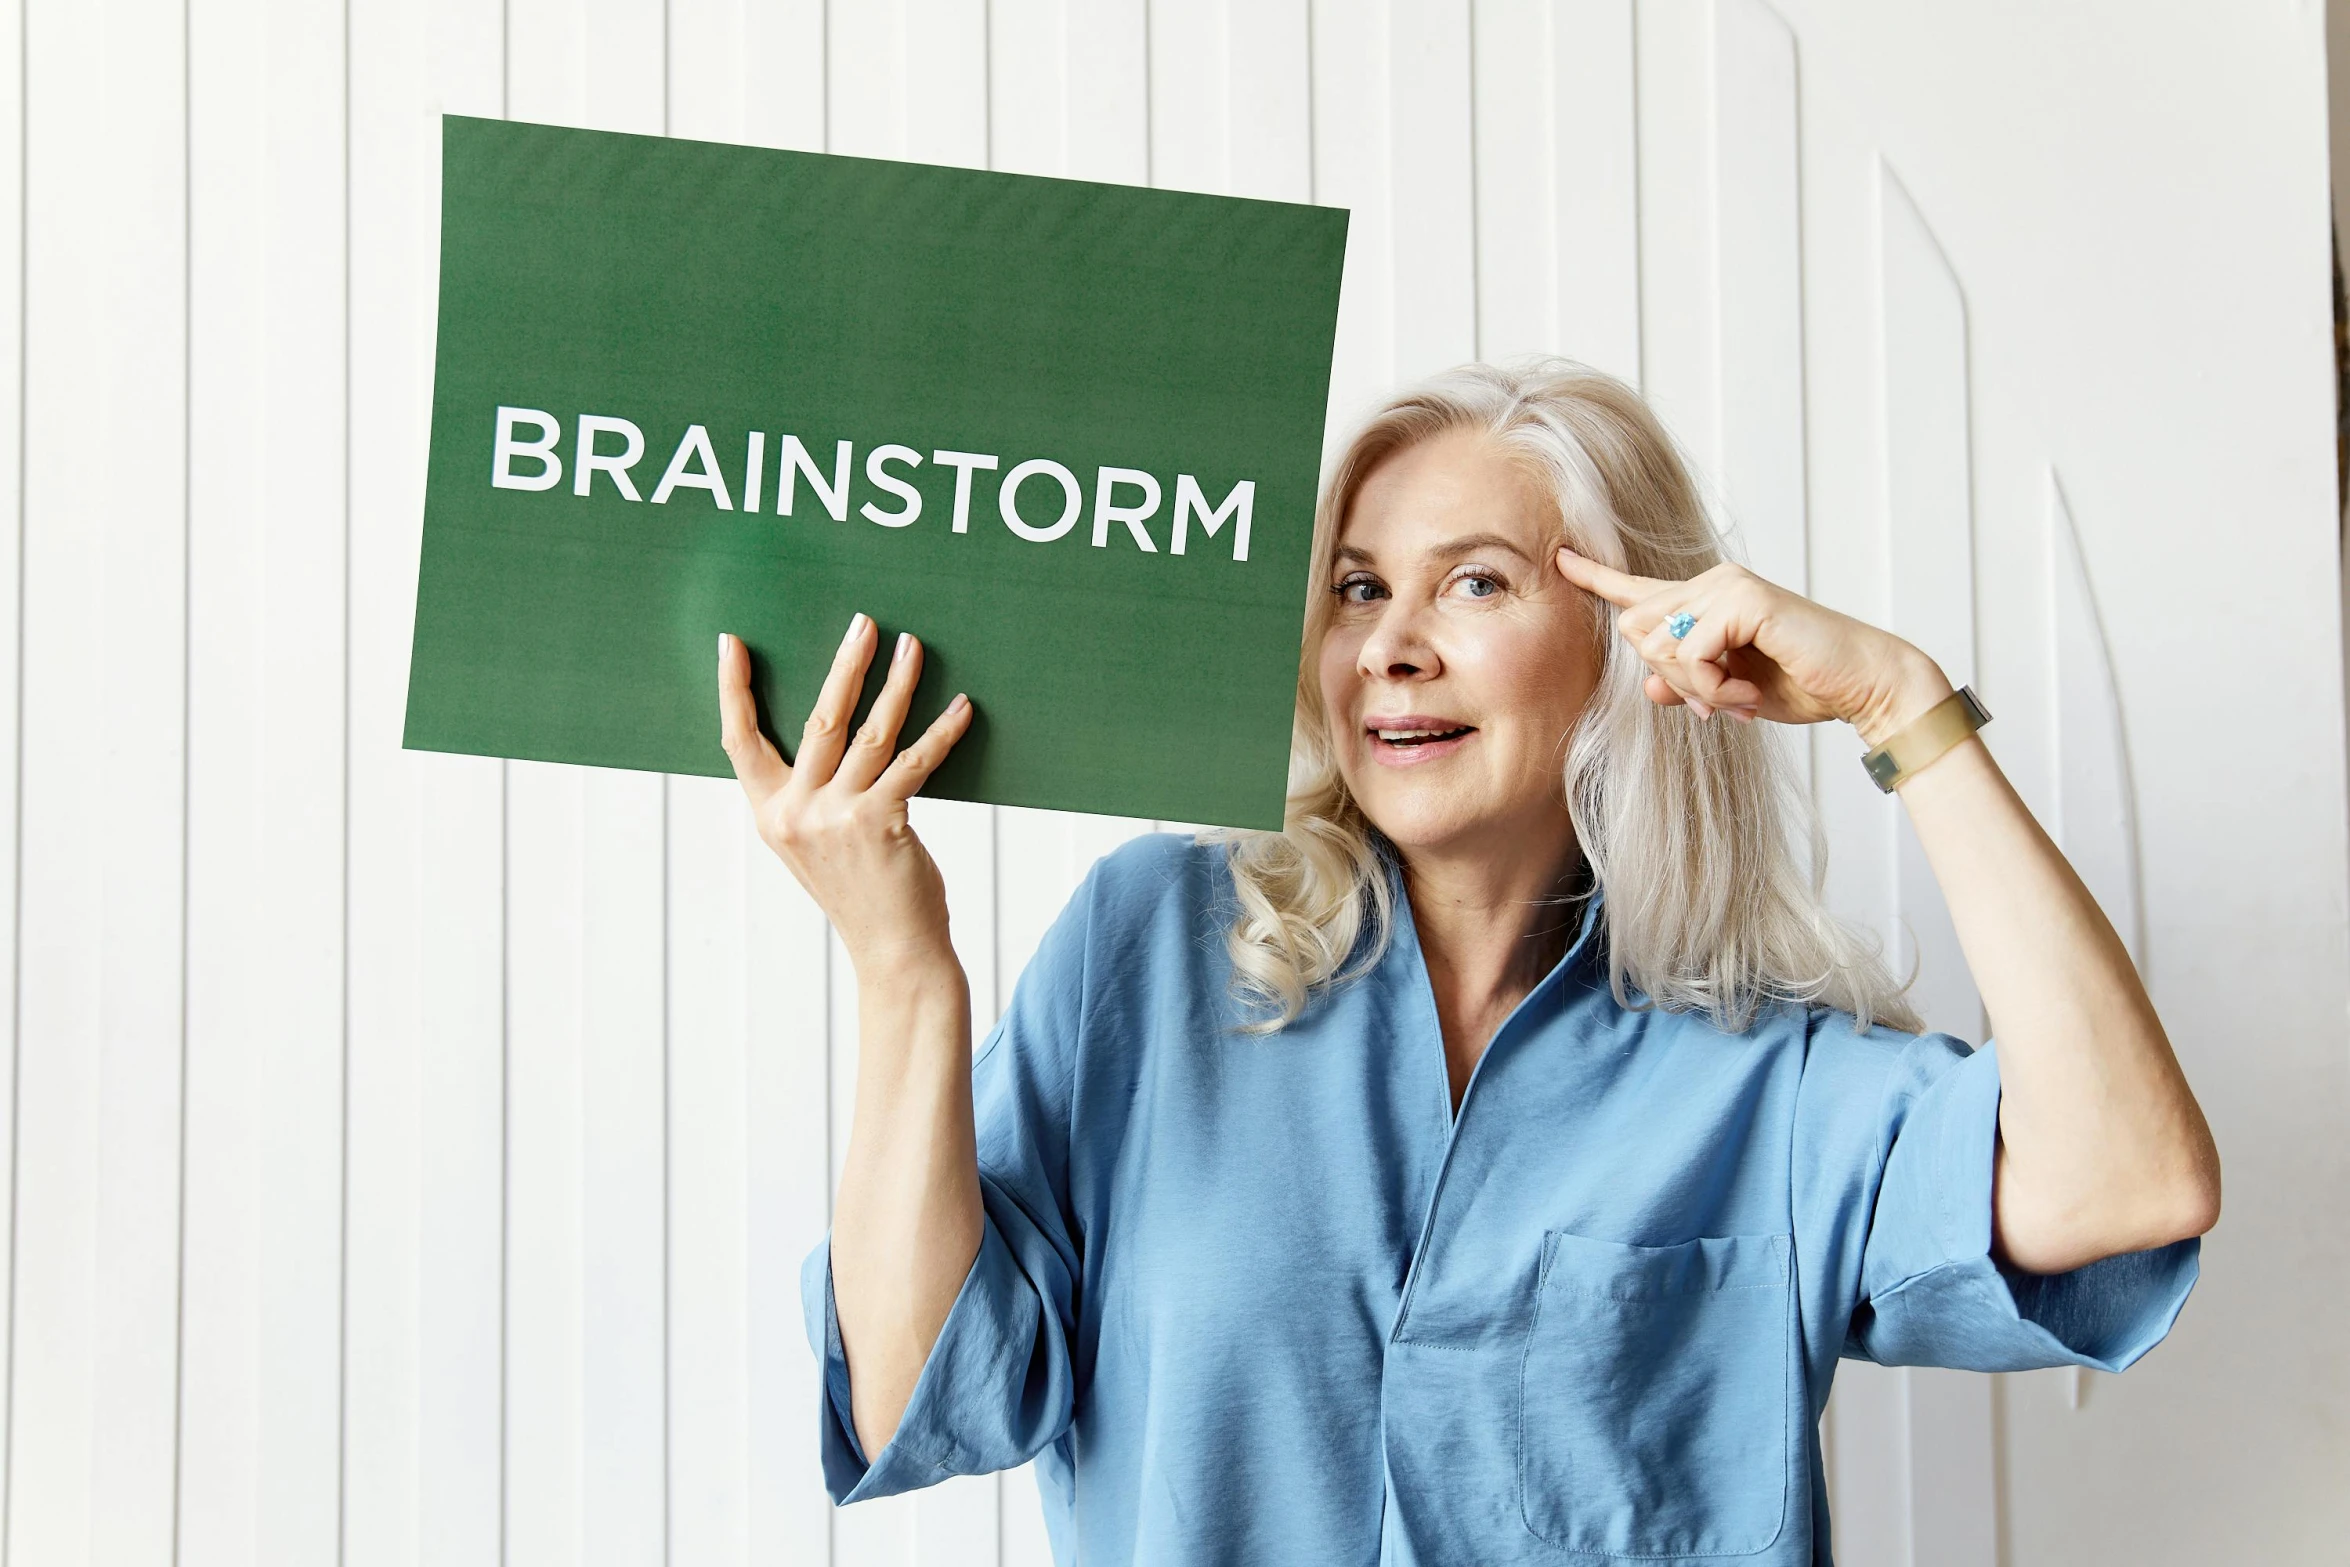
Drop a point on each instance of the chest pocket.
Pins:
(1657, 1400)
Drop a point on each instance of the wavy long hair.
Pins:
(1687, 827)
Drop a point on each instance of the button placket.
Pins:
(1456, 1119)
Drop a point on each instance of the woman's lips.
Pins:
(1390, 754)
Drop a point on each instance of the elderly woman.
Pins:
(1492, 1165)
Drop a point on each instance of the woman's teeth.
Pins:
(1418, 736)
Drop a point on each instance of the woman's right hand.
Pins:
(907, 1218)
(837, 816)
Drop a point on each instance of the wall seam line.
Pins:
(24, 118)
(343, 1219)
(179, 1357)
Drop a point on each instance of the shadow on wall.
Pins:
(2341, 390)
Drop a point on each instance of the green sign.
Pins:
(1066, 433)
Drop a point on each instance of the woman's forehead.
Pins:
(1427, 498)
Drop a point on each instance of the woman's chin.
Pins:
(1424, 824)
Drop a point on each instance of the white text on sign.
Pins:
(613, 447)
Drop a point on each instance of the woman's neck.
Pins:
(1489, 932)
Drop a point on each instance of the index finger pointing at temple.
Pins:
(1619, 588)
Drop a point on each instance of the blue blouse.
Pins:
(1266, 1299)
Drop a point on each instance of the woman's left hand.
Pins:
(1754, 649)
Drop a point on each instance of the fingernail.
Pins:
(959, 703)
(1699, 708)
(721, 644)
(905, 640)
(856, 628)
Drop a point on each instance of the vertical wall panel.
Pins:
(708, 1131)
(1270, 141)
(1929, 533)
(1190, 112)
(456, 1131)
(788, 1141)
(1431, 164)
(1028, 67)
(1679, 303)
(1070, 90)
(2095, 811)
(786, 97)
(585, 1429)
(261, 1328)
(1953, 1490)
(228, 574)
(101, 970)
(622, 1174)
(598, 63)
(1758, 318)
(865, 91)
(545, 1344)
(423, 1468)
(12, 414)
(711, 76)
(1393, 131)
(1758, 277)
(1515, 106)
(946, 80)
(1595, 182)
(1557, 242)
(1351, 170)
(1106, 50)
(1868, 1465)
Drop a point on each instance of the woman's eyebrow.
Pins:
(1463, 545)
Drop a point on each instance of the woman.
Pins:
(1492, 1165)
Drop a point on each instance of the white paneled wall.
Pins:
(410, 1157)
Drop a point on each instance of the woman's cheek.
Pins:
(1337, 672)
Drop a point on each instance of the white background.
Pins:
(411, 1157)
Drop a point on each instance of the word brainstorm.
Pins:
(613, 447)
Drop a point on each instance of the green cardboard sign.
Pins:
(1067, 433)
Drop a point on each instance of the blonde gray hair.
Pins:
(1687, 826)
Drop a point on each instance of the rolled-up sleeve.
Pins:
(998, 1385)
(1931, 1292)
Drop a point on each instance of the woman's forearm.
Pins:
(907, 1221)
(2102, 1146)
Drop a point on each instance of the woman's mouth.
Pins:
(1413, 738)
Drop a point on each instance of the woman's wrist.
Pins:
(1914, 685)
(915, 962)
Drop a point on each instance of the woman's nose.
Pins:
(1398, 645)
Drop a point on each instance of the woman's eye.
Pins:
(1492, 584)
(1345, 589)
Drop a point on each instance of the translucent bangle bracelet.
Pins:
(1924, 738)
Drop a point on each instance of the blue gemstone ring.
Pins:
(1681, 625)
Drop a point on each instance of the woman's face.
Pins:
(1451, 616)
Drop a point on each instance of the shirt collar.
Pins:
(1589, 948)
